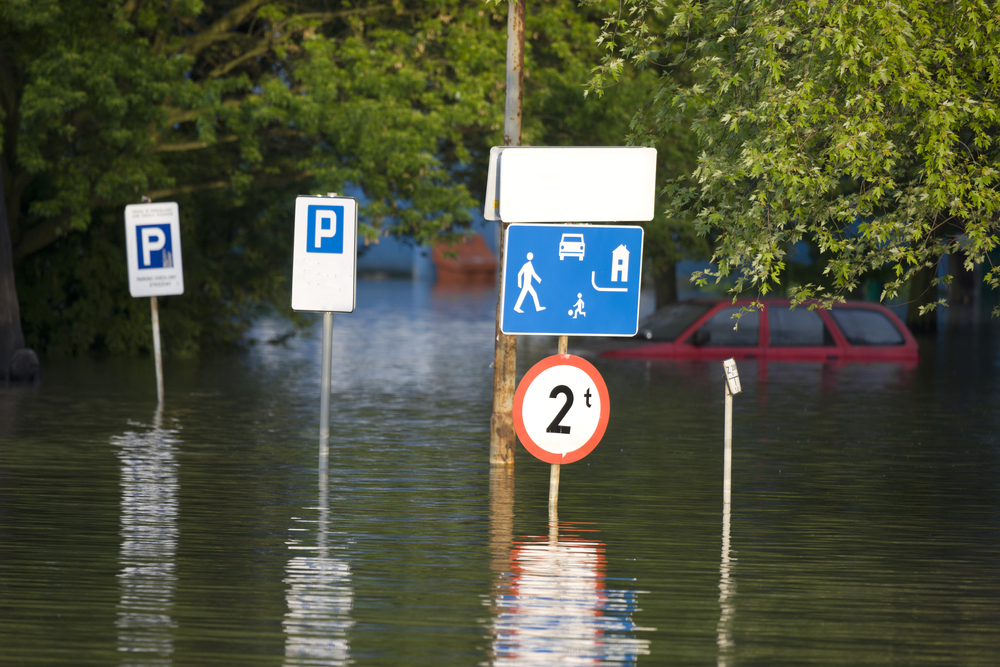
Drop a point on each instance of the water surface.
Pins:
(864, 527)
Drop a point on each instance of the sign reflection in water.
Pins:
(149, 544)
(319, 595)
(727, 593)
(556, 608)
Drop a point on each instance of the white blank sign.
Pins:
(572, 184)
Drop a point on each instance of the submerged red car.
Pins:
(705, 329)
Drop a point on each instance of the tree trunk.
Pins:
(921, 294)
(665, 283)
(11, 336)
(17, 363)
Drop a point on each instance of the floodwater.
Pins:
(864, 526)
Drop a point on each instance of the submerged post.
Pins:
(324, 395)
(732, 388)
(502, 436)
(727, 456)
(554, 472)
(157, 354)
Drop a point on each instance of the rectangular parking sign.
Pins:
(571, 280)
(325, 258)
(153, 248)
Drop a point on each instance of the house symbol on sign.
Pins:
(619, 264)
(619, 269)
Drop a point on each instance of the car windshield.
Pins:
(862, 326)
(668, 322)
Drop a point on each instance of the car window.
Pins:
(862, 326)
(797, 327)
(719, 331)
(670, 321)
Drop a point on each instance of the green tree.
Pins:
(233, 107)
(867, 128)
(671, 236)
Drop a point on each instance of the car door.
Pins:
(721, 336)
(798, 334)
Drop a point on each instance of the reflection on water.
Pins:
(319, 594)
(727, 593)
(149, 544)
(554, 606)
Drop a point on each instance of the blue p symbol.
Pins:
(155, 247)
(325, 229)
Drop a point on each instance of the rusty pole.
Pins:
(502, 438)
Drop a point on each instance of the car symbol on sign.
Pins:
(571, 245)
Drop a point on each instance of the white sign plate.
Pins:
(732, 376)
(153, 249)
(325, 259)
(572, 184)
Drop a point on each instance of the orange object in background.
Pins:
(466, 262)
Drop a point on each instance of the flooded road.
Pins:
(864, 528)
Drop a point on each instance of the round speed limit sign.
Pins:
(561, 409)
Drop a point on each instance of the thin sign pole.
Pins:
(554, 472)
(324, 400)
(727, 465)
(157, 354)
(733, 387)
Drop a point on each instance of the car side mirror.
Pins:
(701, 337)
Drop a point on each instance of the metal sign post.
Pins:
(732, 388)
(153, 250)
(324, 277)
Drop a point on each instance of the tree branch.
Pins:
(37, 237)
(220, 29)
(186, 115)
(185, 189)
(222, 70)
(191, 145)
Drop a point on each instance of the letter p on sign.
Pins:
(153, 239)
(325, 231)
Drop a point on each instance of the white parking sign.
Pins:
(153, 248)
(325, 258)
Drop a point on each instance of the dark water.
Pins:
(865, 524)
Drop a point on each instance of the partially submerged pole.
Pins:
(554, 472)
(157, 354)
(733, 387)
(324, 392)
(727, 456)
(502, 436)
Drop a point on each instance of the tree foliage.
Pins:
(231, 107)
(868, 128)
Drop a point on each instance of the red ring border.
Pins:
(522, 389)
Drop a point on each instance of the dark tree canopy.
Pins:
(231, 108)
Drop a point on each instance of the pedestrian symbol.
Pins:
(524, 277)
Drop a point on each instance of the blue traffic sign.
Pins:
(571, 280)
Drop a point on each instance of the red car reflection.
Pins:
(705, 329)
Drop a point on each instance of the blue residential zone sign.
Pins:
(571, 280)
